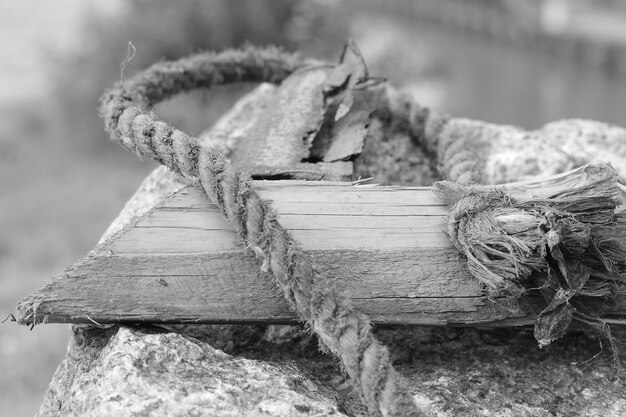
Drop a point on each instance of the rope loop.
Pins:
(129, 119)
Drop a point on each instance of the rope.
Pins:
(130, 121)
(451, 142)
(558, 246)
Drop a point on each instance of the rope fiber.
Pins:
(129, 119)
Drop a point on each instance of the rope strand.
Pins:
(449, 140)
(130, 121)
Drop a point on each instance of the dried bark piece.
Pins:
(276, 131)
(283, 136)
(576, 274)
(350, 72)
(230, 135)
(347, 136)
(553, 325)
(283, 133)
(351, 101)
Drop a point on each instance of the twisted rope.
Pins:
(458, 158)
(130, 121)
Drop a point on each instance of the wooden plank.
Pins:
(384, 247)
(227, 287)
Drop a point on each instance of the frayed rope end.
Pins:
(564, 251)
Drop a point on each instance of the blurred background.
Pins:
(62, 182)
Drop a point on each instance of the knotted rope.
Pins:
(129, 119)
(560, 246)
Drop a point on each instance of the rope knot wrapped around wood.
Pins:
(557, 248)
(486, 227)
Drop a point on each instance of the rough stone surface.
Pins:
(502, 372)
(141, 373)
(391, 157)
(451, 371)
(510, 153)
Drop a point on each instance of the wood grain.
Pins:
(181, 262)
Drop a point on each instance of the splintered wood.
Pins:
(384, 247)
